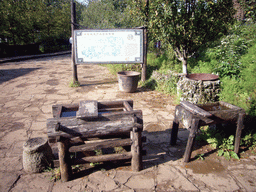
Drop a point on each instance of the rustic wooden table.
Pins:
(194, 116)
(114, 123)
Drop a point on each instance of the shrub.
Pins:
(242, 91)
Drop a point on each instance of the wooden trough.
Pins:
(193, 116)
(112, 124)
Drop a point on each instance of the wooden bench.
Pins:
(112, 123)
(194, 116)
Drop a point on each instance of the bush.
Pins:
(223, 58)
(54, 44)
(242, 91)
(233, 59)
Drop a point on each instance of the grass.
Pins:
(74, 84)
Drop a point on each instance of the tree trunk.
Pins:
(184, 66)
(181, 55)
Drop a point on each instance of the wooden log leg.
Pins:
(191, 138)
(240, 125)
(64, 159)
(136, 148)
(174, 133)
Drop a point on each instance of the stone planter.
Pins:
(199, 88)
(128, 81)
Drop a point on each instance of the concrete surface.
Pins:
(30, 88)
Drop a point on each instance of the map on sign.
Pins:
(109, 46)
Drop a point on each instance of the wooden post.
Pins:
(240, 122)
(191, 138)
(64, 159)
(136, 147)
(73, 21)
(145, 44)
(144, 65)
(175, 128)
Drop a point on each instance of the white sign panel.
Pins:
(109, 46)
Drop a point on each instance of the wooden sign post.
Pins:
(144, 65)
(112, 46)
(73, 22)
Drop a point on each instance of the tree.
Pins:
(99, 15)
(107, 14)
(139, 11)
(249, 6)
(30, 21)
(188, 25)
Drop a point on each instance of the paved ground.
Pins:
(30, 88)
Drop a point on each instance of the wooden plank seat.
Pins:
(194, 116)
(112, 124)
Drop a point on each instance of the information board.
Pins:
(108, 46)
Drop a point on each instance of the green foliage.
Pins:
(200, 156)
(233, 59)
(223, 141)
(189, 25)
(99, 15)
(55, 173)
(107, 14)
(94, 164)
(74, 84)
(115, 68)
(241, 92)
(168, 86)
(249, 7)
(227, 147)
(249, 140)
(224, 57)
(34, 21)
(220, 140)
(139, 11)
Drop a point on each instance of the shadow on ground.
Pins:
(9, 74)
(158, 151)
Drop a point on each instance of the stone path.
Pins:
(30, 88)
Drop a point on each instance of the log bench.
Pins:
(111, 124)
(194, 116)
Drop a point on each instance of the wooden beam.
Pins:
(64, 159)
(127, 106)
(191, 139)
(195, 109)
(103, 158)
(175, 128)
(100, 144)
(136, 150)
(72, 127)
(240, 126)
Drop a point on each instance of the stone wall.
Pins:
(198, 91)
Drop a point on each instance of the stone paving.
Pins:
(30, 88)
